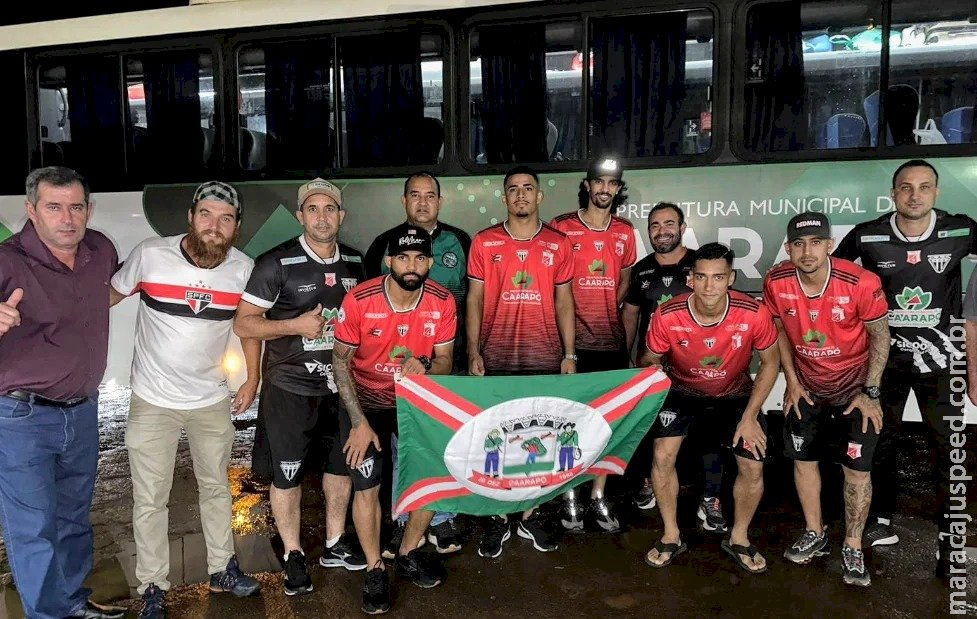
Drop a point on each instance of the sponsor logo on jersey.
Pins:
(330, 279)
(664, 298)
(874, 238)
(289, 469)
(435, 314)
(327, 340)
(913, 256)
(680, 328)
(599, 245)
(522, 254)
(318, 367)
(296, 260)
(741, 326)
(395, 359)
(798, 441)
(789, 296)
(815, 346)
(596, 279)
(791, 311)
(837, 314)
(198, 301)
(667, 417)
(376, 315)
(939, 262)
(574, 232)
(887, 264)
(683, 343)
(449, 259)
(496, 257)
(521, 281)
(645, 285)
(945, 234)
(709, 368)
(547, 258)
(402, 330)
(548, 245)
(428, 329)
(575, 247)
(307, 287)
(737, 341)
(841, 300)
(709, 342)
(492, 243)
(349, 283)
(854, 450)
(913, 312)
(376, 332)
(667, 280)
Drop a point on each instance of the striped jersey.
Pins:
(183, 323)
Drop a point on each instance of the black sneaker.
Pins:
(710, 514)
(536, 529)
(297, 579)
(645, 499)
(233, 580)
(392, 548)
(423, 569)
(445, 537)
(153, 603)
(343, 554)
(853, 570)
(376, 592)
(808, 546)
(496, 533)
(878, 534)
(599, 513)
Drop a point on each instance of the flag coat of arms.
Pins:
(503, 444)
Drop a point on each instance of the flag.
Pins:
(504, 444)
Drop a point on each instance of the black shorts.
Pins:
(294, 434)
(710, 421)
(602, 360)
(823, 432)
(369, 474)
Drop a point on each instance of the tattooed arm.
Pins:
(878, 354)
(361, 434)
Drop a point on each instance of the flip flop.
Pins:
(662, 547)
(737, 552)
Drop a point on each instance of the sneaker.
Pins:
(91, 610)
(233, 580)
(153, 603)
(571, 514)
(392, 548)
(297, 579)
(422, 568)
(445, 537)
(853, 570)
(711, 515)
(645, 499)
(536, 529)
(496, 533)
(376, 592)
(879, 534)
(808, 546)
(343, 554)
(600, 513)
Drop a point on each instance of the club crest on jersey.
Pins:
(428, 329)
(619, 248)
(667, 280)
(330, 279)
(599, 245)
(349, 283)
(709, 342)
(522, 254)
(737, 340)
(813, 314)
(837, 314)
(939, 262)
(198, 301)
(547, 258)
(854, 451)
(402, 330)
(667, 417)
(913, 257)
(289, 469)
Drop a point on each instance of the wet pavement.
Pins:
(595, 574)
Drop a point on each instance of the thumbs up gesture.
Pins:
(310, 323)
(9, 316)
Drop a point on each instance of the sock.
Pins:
(289, 552)
(884, 521)
(332, 542)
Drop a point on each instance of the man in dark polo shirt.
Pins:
(54, 329)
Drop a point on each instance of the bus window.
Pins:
(14, 159)
(809, 68)
(652, 84)
(285, 121)
(934, 57)
(80, 124)
(391, 99)
(170, 101)
(526, 82)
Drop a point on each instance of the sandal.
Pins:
(662, 547)
(737, 552)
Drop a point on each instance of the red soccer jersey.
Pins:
(827, 331)
(519, 332)
(384, 338)
(711, 360)
(599, 256)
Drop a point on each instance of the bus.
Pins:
(743, 112)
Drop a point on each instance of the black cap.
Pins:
(605, 166)
(406, 237)
(809, 224)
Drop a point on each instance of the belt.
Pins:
(33, 398)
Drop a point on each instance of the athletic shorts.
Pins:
(294, 434)
(369, 474)
(710, 421)
(602, 360)
(823, 432)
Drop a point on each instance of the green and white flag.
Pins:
(503, 444)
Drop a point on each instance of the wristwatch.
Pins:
(570, 356)
(426, 362)
(872, 391)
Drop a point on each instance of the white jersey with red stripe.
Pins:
(184, 322)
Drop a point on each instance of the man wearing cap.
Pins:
(54, 334)
(603, 254)
(917, 251)
(834, 341)
(189, 287)
(292, 302)
(422, 200)
(390, 325)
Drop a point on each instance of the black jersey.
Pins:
(652, 284)
(287, 281)
(922, 284)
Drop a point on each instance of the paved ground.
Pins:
(590, 575)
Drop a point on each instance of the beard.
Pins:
(602, 201)
(409, 285)
(666, 244)
(206, 253)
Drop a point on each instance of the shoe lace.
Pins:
(853, 558)
(807, 540)
(152, 599)
(713, 508)
(295, 564)
(376, 580)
